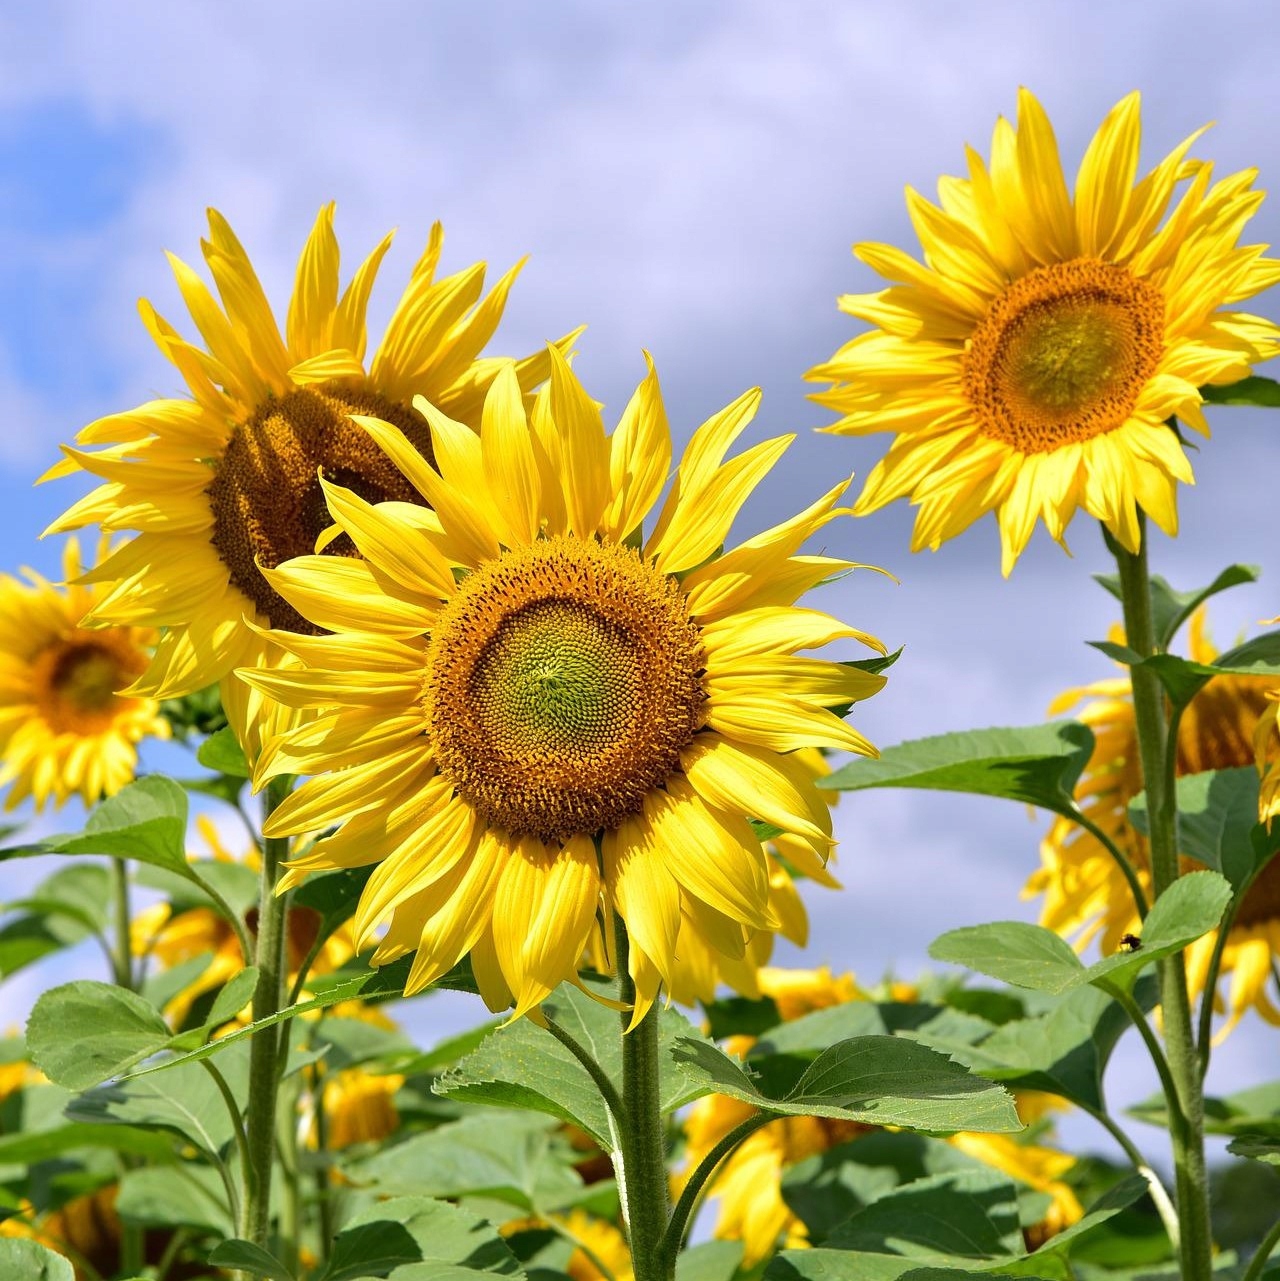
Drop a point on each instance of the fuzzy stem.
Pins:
(1158, 755)
(642, 1178)
(264, 1046)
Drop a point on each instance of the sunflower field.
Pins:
(423, 770)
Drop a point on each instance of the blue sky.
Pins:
(687, 179)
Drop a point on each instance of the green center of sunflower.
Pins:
(563, 680)
(1063, 354)
(266, 498)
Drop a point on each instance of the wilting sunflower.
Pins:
(572, 686)
(64, 727)
(1029, 364)
(224, 484)
(748, 1185)
(1087, 896)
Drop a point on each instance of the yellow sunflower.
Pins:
(748, 1185)
(64, 728)
(85, 1230)
(578, 713)
(1086, 895)
(223, 485)
(1029, 364)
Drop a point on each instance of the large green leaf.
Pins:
(1038, 765)
(1034, 957)
(406, 1238)
(244, 1256)
(44, 1144)
(524, 1066)
(519, 1159)
(185, 1101)
(1218, 822)
(85, 1032)
(879, 1080)
(30, 1261)
(175, 1196)
(222, 752)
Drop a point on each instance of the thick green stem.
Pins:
(324, 1197)
(264, 1047)
(642, 1167)
(122, 955)
(1157, 753)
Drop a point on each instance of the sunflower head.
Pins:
(1085, 894)
(65, 726)
(1031, 363)
(226, 484)
(551, 713)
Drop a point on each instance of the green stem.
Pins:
(1159, 1194)
(1158, 754)
(324, 1191)
(237, 1130)
(697, 1181)
(1205, 1036)
(641, 1163)
(1263, 1253)
(264, 1045)
(1121, 860)
(613, 1100)
(122, 959)
(291, 1208)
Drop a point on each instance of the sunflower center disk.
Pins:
(563, 680)
(1063, 354)
(265, 495)
(77, 683)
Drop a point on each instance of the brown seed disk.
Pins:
(1063, 354)
(266, 498)
(76, 680)
(563, 680)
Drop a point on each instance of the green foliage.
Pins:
(1183, 678)
(85, 1032)
(1254, 1112)
(66, 907)
(222, 752)
(249, 1258)
(1038, 765)
(1034, 957)
(1254, 390)
(1170, 609)
(27, 1261)
(179, 1195)
(524, 1066)
(879, 1080)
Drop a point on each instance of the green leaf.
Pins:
(184, 1100)
(146, 821)
(963, 1214)
(741, 1016)
(1016, 952)
(161, 987)
(29, 1261)
(518, 1159)
(1259, 656)
(1218, 823)
(43, 1143)
(247, 1257)
(1034, 957)
(222, 752)
(710, 1261)
(411, 1237)
(233, 996)
(175, 1196)
(1253, 390)
(524, 1066)
(1258, 1147)
(880, 1080)
(85, 1032)
(1038, 765)
(1183, 678)
(1255, 1111)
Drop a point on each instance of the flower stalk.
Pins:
(264, 1048)
(642, 1180)
(1158, 755)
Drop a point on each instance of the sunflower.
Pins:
(1085, 893)
(85, 1230)
(578, 712)
(223, 485)
(64, 728)
(749, 1183)
(1029, 365)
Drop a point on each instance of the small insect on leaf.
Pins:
(1130, 942)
